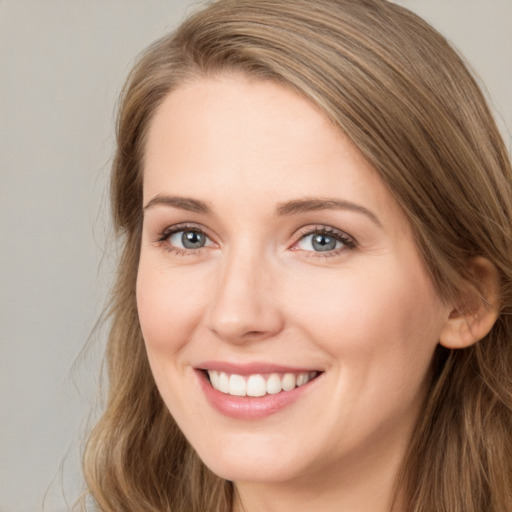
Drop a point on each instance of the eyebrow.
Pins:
(297, 206)
(184, 203)
(293, 207)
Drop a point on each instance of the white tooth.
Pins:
(302, 378)
(214, 378)
(223, 382)
(256, 386)
(312, 375)
(237, 386)
(273, 384)
(288, 382)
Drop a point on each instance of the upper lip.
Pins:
(252, 368)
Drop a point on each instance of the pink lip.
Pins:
(250, 408)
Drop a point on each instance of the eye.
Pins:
(326, 240)
(184, 239)
(319, 242)
(188, 239)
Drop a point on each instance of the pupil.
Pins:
(192, 240)
(324, 243)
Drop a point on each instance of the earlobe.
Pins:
(475, 314)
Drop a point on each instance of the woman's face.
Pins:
(275, 262)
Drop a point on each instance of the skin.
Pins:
(365, 314)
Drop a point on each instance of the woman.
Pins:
(312, 309)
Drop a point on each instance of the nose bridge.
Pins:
(244, 305)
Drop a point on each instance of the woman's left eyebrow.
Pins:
(314, 204)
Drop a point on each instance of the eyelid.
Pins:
(182, 226)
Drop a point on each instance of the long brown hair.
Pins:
(406, 100)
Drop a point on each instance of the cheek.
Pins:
(380, 330)
(387, 317)
(169, 307)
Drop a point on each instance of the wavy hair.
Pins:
(405, 98)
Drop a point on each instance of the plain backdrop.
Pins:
(62, 64)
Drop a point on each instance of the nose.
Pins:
(245, 305)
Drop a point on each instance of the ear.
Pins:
(475, 314)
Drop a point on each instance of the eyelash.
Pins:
(348, 242)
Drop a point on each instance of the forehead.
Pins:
(233, 139)
(238, 121)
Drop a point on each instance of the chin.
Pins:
(259, 461)
(250, 471)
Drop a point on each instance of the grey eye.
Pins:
(321, 242)
(188, 239)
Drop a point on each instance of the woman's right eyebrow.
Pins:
(184, 203)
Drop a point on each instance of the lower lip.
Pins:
(246, 407)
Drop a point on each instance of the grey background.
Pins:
(62, 63)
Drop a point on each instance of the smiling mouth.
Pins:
(258, 385)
